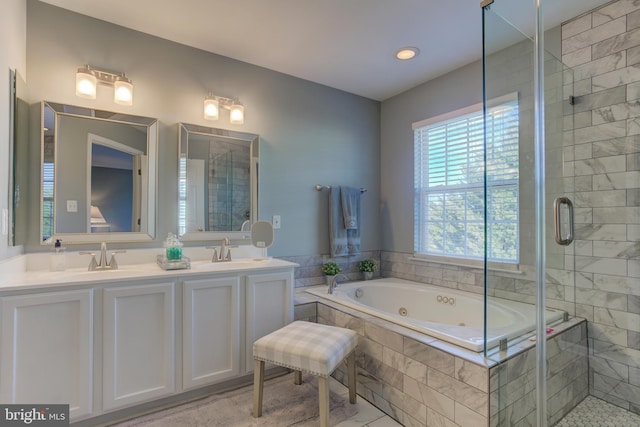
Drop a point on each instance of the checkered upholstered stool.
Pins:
(309, 347)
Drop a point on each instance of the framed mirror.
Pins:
(12, 148)
(217, 182)
(99, 174)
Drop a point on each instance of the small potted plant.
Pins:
(368, 266)
(330, 269)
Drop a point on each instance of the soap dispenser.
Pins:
(58, 259)
(173, 248)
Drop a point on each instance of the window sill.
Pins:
(468, 263)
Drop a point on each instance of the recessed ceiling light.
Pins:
(407, 53)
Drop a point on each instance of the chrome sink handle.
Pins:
(113, 264)
(214, 258)
(93, 264)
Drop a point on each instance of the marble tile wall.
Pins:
(415, 381)
(513, 382)
(603, 48)
(310, 271)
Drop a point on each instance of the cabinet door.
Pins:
(269, 307)
(211, 330)
(46, 347)
(138, 344)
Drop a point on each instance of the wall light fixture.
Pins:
(88, 77)
(213, 103)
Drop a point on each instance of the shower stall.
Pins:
(562, 154)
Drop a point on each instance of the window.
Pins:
(449, 183)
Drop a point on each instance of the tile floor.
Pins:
(594, 412)
(367, 416)
(591, 412)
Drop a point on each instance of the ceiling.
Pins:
(345, 44)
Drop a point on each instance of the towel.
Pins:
(350, 199)
(337, 232)
(342, 241)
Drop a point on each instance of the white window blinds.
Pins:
(449, 183)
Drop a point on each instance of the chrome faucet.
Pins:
(103, 265)
(225, 251)
(333, 284)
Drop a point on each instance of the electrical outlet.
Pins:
(72, 206)
(276, 221)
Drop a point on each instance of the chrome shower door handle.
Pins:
(563, 239)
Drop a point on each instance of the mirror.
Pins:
(98, 175)
(217, 182)
(262, 234)
(18, 158)
(12, 147)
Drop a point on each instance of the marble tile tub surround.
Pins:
(421, 381)
(513, 381)
(603, 48)
(309, 272)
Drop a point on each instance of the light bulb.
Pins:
(123, 92)
(211, 109)
(85, 84)
(236, 115)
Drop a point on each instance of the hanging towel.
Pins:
(350, 198)
(337, 232)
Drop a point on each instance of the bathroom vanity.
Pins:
(106, 340)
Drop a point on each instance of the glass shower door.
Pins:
(511, 276)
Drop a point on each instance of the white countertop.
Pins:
(20, 274)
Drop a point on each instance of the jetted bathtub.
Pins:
(447, 314)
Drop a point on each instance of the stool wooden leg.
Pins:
(323, 397)
(258, 385)
(298, 378)
(351, 368)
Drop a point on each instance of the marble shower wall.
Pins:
(603, 48)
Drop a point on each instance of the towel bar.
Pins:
(328, 187)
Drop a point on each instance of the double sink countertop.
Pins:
(22, 272)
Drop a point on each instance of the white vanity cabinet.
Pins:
(210, 330)
(138, 343)
(102, 345)
(269, 306)
(46, 349)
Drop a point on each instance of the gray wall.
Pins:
(13, 40)
(311, 134)
(455, 90)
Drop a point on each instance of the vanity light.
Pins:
(89, 77)
(86, 84)
(123, 91)
(211, 108)
(236, 116)
(213, 104)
